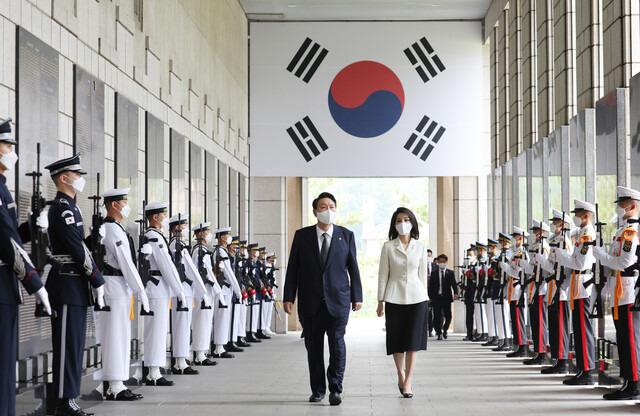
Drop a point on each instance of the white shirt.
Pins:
(441, 274)
(320, 234)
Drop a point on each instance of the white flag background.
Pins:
(447, 108)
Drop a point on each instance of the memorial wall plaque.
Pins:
(211, 196)
(154, 155)
(88, 135)
(36, 122)
(197, 194)
(223, 194)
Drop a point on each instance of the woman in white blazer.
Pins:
(403, 296)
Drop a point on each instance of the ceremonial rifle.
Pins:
(95, 239)
(598, 274)
(144, 266)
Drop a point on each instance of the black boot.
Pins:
(583, 378)
(629, 391)
(560, 367)
(539, 359)
(68, 407)
(519, 352)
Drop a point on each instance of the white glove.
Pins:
(183, 300)
(102, 231)
(207, 300)
(43, 220)
(146, 249)
(222, 301)
(100, 296)
(144, 300)
(599, 252)
(253, 298)
(43, 297)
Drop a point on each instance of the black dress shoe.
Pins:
(559, 368)
(242, 343)
(206, 362)
(629, 391)
(334, 398)
(223, 355)
(518, 353)
(316, 398)
(188, 371)
(539, 359)
(132, 382)
(67, 407)
(94, 396)
(439, 338)
(231, 347)
(261, 335)
(125, 395)
(467, 338)
(158, 382)
(252, 338)
(583, 378)
(493, 342)
(444, 335)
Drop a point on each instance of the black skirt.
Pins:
(407, 327)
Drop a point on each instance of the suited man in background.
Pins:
(443, 290)
(320, 257)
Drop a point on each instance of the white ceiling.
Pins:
(365, 9)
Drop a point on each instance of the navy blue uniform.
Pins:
(69, 291)
(15, 266)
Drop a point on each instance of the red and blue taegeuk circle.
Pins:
(366, 99)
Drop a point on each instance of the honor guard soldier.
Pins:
(470, 291)
(121, 281)
(239, 266)
(193, 286)
(73, 273)
(265, 298)
(227, 279)
(515, 295)
(253, 313)
(203, 316)
(536, 288)
(480, 303)
(15, 267)
(557, 296)
(622, 261)
(580, 263)
(163, 283)
(492, 291)
(270, 272)
(502, 297)
(234, 260)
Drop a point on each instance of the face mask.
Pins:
(9, 159)
(327, 216)
(274, 262)
(620, 212)
(78, 184)
(442, 266)
(245, 253)
(228, 239)
(404, 228)
(164, 223)
(208, 238)
(577, 221)
(185, 233)
(125, 211)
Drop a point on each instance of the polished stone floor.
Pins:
(452, 378)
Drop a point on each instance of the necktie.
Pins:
(325, 248)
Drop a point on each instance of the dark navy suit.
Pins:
(325, 294)
(69, 292)
(15, 266)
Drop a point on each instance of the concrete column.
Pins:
(503, 89)
(546, 112)
(529, 73)
(446, 215)
(433, 215)
(512, 20)
(621, 31)
(269, 212)
(589, 79)
(295, 213)
(495, 103)
(564, 47)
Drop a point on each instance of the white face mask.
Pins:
(326, 217)
(245, 253)
(274, 262)
(164, 223)
(9, 159)
(185, 233)
(125, 211)
(442, 266)
(403, 228)
(208, 238)
(228, 239)
(577, 221)
(78, 184)
(620, 212)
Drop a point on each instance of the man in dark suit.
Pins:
(442, 292)
(321, 255)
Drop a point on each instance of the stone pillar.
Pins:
(621, 31)
(529, 73)
(564, 47)
(496, 151)
(546, 112)
(589, 82)
(295, 220)
(512, 21)
(504, 130)
(269, 209)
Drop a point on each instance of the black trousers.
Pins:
(315, 328)
(583, 339)
(517, 324)
(430, 315)
(441, 311)
(539, 328)
(628, 337)
(69, 333)
(469, 315)
(8, 357)
(559, 330)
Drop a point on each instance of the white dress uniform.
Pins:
(162, 271)
(267, 310)
(121, 280)
(253, 315)
(240, 321)
(222, 313)
(518, 312)
(480, 309)
(202, 323)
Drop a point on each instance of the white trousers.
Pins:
(491, 319)
(114, 329)
(267, 313)
(253, 316)
(181, 328)
(480, 314)
(222, 321)
(155, 333)
(201, 326)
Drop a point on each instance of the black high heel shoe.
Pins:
(407, 395)
(401, 390)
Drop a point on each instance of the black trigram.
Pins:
(313, 57)
(427, 133)
(303, 134)
(428, 64)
